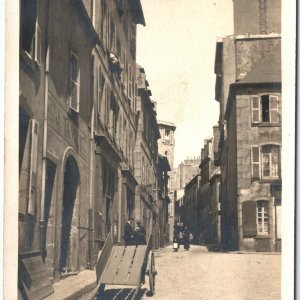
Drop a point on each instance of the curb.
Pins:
(81, 292)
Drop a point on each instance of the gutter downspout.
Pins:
(91, 202)
(44, 161)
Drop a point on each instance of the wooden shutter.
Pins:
(37, 46)
(33, 168)
(255, 109)
(249, 219)
(24, 173)
(130, 82)
(273, 106)
(74, 83)
(255, 162)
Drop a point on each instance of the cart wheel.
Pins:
(152, 274)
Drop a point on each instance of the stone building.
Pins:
(191, 206)
(54, 156)
(183, 174)
(209, 206)
(146, 159)
(166, 147)
(78, 115)
(113, 118)
(163, 199)
(248, 87)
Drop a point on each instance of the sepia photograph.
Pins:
(156, 149)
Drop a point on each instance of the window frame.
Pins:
(258, 119)
(77, 83)
(274, 151)
(263, 226)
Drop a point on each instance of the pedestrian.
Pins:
(140, 234)
(186, 238)
(128, 232)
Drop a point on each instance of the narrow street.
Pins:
(199, 274)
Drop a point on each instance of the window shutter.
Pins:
(249, 219)
(37, 44)
(273, 109)
(33, 168)
(255, 105)
(74, 83)
(24, 174)
(255, 162)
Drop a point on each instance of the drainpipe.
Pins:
(91, 216)
(44, 160)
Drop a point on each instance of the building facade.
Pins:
(163, 199)
(78, 127)
(166, 147)
(183, 174)
(146, 159)
(248, 87)
(191, 207)
(209, 205)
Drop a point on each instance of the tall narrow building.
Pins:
(166, 147)
(248, 88)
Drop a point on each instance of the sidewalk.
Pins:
(74, 286)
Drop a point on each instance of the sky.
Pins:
(177, 50)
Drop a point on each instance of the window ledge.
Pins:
(261, 236)
(29, 62)
(266, 124)
(266, 180)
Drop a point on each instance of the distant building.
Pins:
(191, 206)
(183, 174)
(146, 159)
(209, 206)
(166, 147)
(163, 199)
(248, 88)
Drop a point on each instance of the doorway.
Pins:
(69, 229)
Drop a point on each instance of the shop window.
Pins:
(265, 162)
(74, 83)
(265, 109)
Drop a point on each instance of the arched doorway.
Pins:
(69, 228)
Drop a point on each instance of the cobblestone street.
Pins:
(198, 274)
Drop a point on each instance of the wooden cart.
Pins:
(125, 266)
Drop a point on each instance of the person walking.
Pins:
(128, 232)
(140, 234)
(186, 238)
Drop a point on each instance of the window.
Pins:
(100, 88)
(30, 30)
(262, 217)
(74, 83)
(112, 36)
(265, 162)
(255, 215)
(265, 109)
(130, 96)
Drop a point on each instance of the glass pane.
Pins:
(274, 164)
(265, 109)
(74, 68)
(74, 96)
